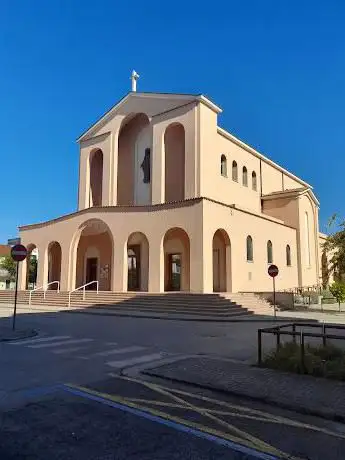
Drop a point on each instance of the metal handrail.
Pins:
(44, 287)
(83, 288)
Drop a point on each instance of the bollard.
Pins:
(302, 353)
(324, 334)
(294, 330)
(259, 347)
(278, 338)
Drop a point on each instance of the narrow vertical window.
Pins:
(234, 171)
(223, 166)
(269, 252)
(288, 255)
(250, 257)
(254, 181)
(244, 176)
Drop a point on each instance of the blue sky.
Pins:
(276, 68)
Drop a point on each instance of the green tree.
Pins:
(32, 269)
(334, 247)
(338, 291)
(7, 263)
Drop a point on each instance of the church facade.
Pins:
(168, 200)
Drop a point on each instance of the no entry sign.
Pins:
(19, 252)
(273, 270)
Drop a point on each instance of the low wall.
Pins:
(283, 299)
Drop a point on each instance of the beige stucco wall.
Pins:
(250, 276)
(285, 209)
(153, 225)
(200, 221)
(212, 183)
(204, 143)
(161, 113)
(309, 275)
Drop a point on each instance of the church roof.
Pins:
(291, 193)
(180, 98)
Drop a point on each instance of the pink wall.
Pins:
(174, 143)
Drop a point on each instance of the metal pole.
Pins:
(294, 330)
(324, 334)
(302, 353)
(259, 347)
(15, 299)
(274, 297)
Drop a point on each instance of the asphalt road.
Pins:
(73, 392)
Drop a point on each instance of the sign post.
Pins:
(18, 254)
(273, 272)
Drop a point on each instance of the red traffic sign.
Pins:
(273, 271)
(19, 252)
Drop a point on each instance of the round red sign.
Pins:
(19, 252)
(273, 271)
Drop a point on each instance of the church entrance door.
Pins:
(133, 257)
(174, 272)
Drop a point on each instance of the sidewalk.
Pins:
(304, 394)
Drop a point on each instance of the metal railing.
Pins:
(83, 288)
(44, 287)
(278, 332)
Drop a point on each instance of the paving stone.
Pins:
(304, 394)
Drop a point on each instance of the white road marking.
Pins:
(132, 361)
(59, 344)
(44, 339)
(67, 350)
(118, 351)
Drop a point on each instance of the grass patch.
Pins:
(320, 361)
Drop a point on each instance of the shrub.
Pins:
(320, 361)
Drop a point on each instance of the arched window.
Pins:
(269, 252)
(245, 176)
(250, 257)
(254, 181)
(288, 255)
(223, 166)
(234, 171)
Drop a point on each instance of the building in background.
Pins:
(5, 281)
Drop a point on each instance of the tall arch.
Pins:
(134, 160)
(96, 177)
(54, 264)
(176, 246)
(221, 253)
(91, 255)
(174, 147)
(31, 265)
(137, 262)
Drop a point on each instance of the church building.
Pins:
(170, 201)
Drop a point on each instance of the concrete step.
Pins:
(213, 304)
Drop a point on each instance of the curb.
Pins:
(181, 318)
(25, 335)
(327, 415)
